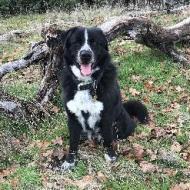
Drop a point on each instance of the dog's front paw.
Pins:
(69, 162)
(110, 156)
(66, 166)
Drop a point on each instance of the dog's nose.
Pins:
(85, 56)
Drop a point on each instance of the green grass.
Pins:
(24, 178)
(162, 85)
(22, 90)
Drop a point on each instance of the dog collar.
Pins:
(90, 85)
(85, 85)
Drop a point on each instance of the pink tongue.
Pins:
(86, 69)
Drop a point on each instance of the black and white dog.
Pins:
(91, 93)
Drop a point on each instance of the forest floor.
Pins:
(156, 157)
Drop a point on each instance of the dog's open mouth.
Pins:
(86, 70)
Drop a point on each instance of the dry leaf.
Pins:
(55, 109)
(58, 141)
(83, 183)
(181, 186)
(169, 172)
(185, 156)
(59, 153)
(101, 177)
(149, 85)
(138, 151)
(176, 147)
(147, 167)
(151, 154)
(47, 153)
(135, 78)
(179, 89)
(134, 92)
(127, 151)
(40, 144)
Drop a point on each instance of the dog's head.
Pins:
(85, 50)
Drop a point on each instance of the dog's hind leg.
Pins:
(107, 134)
(125, 125)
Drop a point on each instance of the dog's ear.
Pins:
(104, 39)
(64, 37)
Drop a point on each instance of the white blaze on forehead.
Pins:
(86, 46)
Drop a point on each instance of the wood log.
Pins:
(181, 30)
(38, 52)
(145, 32)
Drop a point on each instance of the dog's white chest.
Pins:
(83, 103)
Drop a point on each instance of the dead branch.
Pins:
(37, 53)
(181, 29)
(145, 32)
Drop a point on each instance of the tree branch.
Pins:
(37, 53)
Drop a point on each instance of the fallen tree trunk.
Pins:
(38, 52)
(181, 30)
(140, 29)
(145, 32)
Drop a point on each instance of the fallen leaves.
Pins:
(42, 145)
(139, 151)
(181, 186)
(86, 182)
(136, 78)
(160, 132)
(52, 153)
(179, 89)
(101, 177)
(58, 141)
(133, 92)
(136, 152)
(149, 85)
(176, 147)
(148, 167)
(6, 172)
(55, 109)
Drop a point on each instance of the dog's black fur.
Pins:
(116, 118)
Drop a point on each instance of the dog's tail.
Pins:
(137, 110)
